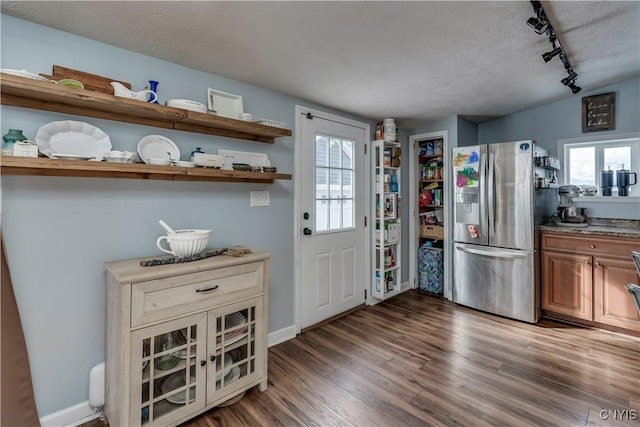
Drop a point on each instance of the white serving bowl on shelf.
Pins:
(116, 156)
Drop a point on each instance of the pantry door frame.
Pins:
(414, 229)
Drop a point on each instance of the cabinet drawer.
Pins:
(160, 299)
(590, 245)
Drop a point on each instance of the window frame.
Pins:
(600, 143)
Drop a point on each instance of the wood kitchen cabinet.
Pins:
(583, 278)
(183, 338)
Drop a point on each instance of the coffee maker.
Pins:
(568, 212)
(623, 181)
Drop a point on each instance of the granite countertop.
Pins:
(599, 227)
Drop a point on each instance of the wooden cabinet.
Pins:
(567, 284)
(583, 277)
(28, 93)
(183, 338)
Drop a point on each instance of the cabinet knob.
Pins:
(592, 246)
(587, 262)
(203, 363)
(597, 263)
(213, 358)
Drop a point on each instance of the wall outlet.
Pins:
(260, 198)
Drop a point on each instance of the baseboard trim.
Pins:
(281, 335)
(82, 412)
(71, 416)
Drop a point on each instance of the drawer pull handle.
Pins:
(592, 246)
(213, 288)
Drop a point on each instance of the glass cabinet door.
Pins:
(168, 370)
(235, 341)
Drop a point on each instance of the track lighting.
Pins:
(570, 78)
(574, 89)
(547, 56)
(538, 25)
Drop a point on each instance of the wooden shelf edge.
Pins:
(29, 93)
(82, 168)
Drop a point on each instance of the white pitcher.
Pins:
(121, 90)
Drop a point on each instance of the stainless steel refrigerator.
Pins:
(497, 208)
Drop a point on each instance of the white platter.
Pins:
(232, 376)
(68, 156)
(24, 73)
(224, 104)
(252, 159)
(73, 139)
(159, 147)
(187, 104)
(228, 361)
(175, 381)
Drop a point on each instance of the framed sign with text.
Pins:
(599, 112)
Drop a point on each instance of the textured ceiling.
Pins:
(415, 61)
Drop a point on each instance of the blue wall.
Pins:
(59, 231)
(563, 120)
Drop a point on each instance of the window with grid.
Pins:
(334, 196)
(583, 161)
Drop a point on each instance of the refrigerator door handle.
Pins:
(492, 194)
(483, 196)
(494, 253)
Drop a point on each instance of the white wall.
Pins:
(59, 231)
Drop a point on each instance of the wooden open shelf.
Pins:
(10, 165)
(29, 93)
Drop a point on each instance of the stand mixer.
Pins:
(568, 212)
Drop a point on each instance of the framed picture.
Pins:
(599, 112)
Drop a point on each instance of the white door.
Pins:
(332, 217)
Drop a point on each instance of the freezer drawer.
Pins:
(496, 280)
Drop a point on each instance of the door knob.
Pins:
(307, 231)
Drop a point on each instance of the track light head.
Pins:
(539, 25)
(570, 79)
(574, 89)
(547, 56)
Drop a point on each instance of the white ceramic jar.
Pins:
(389, 130)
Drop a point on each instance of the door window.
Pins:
(334, 186)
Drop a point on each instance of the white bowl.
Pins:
(185, 243)
(186, 104)
(158, 162)
(116, 156)
(185, 164)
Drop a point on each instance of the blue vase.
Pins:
(153, 85)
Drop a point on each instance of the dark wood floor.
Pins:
(416, 360)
